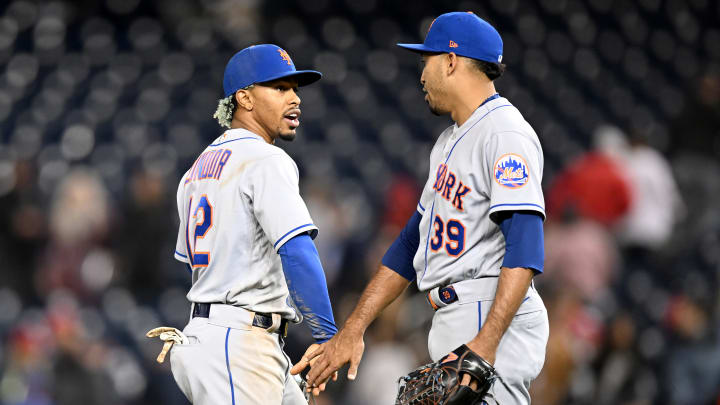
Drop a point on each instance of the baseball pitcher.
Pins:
(245, 235)
(475, 242)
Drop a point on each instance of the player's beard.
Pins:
(436, 109)
(432, 102)
(287, 137)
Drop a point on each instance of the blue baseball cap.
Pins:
(463, 33)
(263, 63)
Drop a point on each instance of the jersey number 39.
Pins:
(451, 232)
(202, 222)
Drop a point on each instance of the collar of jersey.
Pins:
(483, 108)
(236, 134)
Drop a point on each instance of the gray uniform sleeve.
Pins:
(513, 168)
(276, 202)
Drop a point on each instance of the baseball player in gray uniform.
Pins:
(476, 240)
(245, 235)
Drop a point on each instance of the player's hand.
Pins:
(487, 353)
(345, 347)
(468, 380)
(308, 360)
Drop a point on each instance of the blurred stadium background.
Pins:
(104, 104)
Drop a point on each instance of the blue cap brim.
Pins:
(303, 77)
(420, 48)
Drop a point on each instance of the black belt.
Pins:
(448, 295)
(260, 320)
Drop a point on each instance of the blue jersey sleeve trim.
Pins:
(524, 241)
(182, 258)
(289, 232)
(517, 205)
(399, 256)
(307, 286)
(420, 205)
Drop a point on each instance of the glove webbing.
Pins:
(433, 372)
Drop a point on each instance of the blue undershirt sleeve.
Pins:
(524, 240)
(308, 289)
(399, 256)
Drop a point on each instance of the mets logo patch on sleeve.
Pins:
(511, 171)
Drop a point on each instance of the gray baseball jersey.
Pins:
(492, 163)
(238, 204)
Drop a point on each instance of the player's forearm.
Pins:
(512, 288)
(385, 286)
(307, 286)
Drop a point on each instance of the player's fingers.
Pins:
(354, 364)
(469, 381)
(309, 355)
(308, 358)
(322, 386)
(352, 371)
(315, 371)
(299, 367)
(315, 360)
(335, 376)
(313, 351)
(325, 375)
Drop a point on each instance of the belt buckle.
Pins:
(447, 295)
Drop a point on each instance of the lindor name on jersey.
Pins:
(209, 165)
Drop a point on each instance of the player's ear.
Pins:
(244, 99)
(451, 62)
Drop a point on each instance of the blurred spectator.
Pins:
(79, 223)
(574, 341)
(327, 214)
(656, 203)
(619, 363)
(697, 129)
(401, 200)
(23, 219)
(580, 255)
(594, 186)
(694, 365)
(149, 219)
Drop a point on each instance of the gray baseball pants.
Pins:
(229, 361)
(521, 353)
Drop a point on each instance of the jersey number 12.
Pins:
(202, 222)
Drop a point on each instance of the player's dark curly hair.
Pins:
(491, 70)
